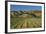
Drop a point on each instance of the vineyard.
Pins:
(25, 20)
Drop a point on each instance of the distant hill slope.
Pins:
(26, 13)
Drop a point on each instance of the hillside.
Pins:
(26, 13)
(25, 19)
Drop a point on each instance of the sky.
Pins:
(24, 7)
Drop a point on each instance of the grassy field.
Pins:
(25, 21)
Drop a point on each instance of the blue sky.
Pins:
(24, 7)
